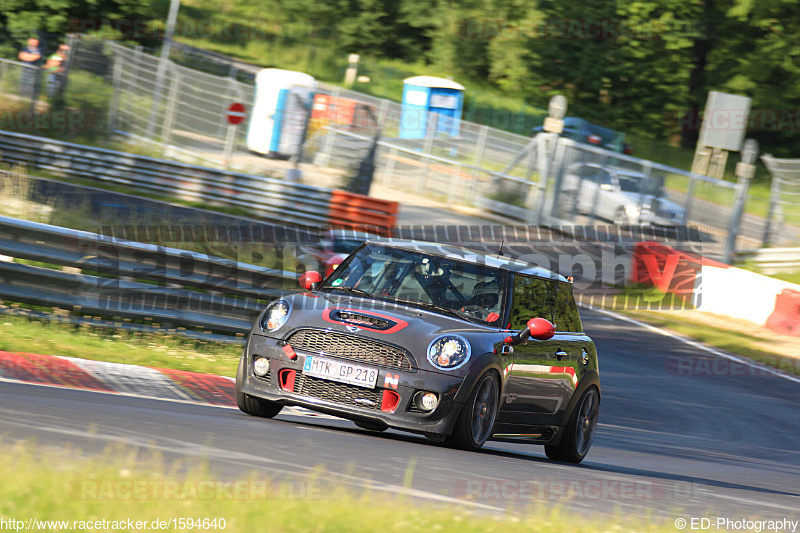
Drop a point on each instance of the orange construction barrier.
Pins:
(786, 316)
(363, 213)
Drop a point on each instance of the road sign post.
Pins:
(235, 115)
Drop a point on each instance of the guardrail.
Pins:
(118, 278)
(775, 260)
(268, 198)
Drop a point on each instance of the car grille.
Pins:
(351, 347)
(336, 392)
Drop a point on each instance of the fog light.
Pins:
(261, 366)
(427, 401)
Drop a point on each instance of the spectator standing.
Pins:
(29, 55)
(55, 67)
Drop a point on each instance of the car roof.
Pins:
(462, 253)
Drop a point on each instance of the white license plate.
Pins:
(321, 367)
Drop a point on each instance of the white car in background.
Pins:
(620, 195)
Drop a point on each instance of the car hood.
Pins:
(407, 326)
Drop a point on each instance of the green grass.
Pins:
(70, 486)
(20, 334)
(791, 277)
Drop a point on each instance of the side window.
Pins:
(565, 309)
(531, 299)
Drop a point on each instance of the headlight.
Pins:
(448, 352)
(276, 315)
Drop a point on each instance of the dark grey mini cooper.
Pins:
(458, 345)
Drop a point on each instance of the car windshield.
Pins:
(642, 184)
(469, 290)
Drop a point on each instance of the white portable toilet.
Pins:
(281, 111)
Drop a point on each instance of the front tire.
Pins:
(476, 419)
(249, 404)
(580, 431)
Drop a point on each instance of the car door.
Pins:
(537, 387)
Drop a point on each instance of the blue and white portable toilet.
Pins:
(424, 95)
(281, 111)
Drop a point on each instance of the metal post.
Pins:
(774, 196)
(687, 209)
(323, 158)
(647, 171)
(169, 32)
(172, 106)
(483, 134)
(542, 141)
(390, 167)
(117, 87)
(228, 151)
(427, 147)
(451, 190)
(745, 170)
(235, 93)
(533, 188)
(383, 114)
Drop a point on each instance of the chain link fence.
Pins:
(782, 227)
(540, 180)
(20, 82)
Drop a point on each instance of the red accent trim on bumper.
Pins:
(389, 401)
(286, 378)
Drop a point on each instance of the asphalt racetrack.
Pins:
(683, 433)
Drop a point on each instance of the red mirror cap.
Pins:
(309, 279)
(541, 329)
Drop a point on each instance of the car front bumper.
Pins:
(390, 403)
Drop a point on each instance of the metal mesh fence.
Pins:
(18, 82)
(591, 185)
(782, 226)
(182, 108)
(175, 105)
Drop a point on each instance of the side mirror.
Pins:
(310, 280)
(540, 329)
(537, 328)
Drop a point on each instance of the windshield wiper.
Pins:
(432, 306)
(352, 290)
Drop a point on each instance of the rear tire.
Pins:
(476, 419)
(580, 430)
(249, 404)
